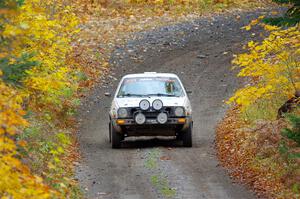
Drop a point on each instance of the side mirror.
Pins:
(189, 92)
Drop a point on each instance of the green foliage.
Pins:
(81, 76)
(293, 133)
(14, 69)
(151, 161)
(10, 3)
(296, 188)
(286, 1)
(162, 185)
(291, 17)
(263, 109)
(32, 131)
(283, 149)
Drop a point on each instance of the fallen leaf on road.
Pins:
(165, 158)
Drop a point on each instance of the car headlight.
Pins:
(157, 104)
(122, 112)
(140, 118)
(144, 104)
(179, 111)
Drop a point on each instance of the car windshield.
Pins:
(150, 86)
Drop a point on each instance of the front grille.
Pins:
(151, 114)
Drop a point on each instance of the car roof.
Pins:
(150, 74)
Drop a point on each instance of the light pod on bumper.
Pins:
(140, 118)
(144, 104)
(157, 104)
(179, 111)
(162, 118)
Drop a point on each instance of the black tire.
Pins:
(179, 135)
(109, 129)
(116, 138)
(187, 136)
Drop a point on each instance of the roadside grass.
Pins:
(162, 185)
(263, 109)
(159, 182)
(151, 160)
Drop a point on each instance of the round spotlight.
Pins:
(140, 118)
(162, 118)
(122, 112)
(157, 104)
(179, 111)
(144, 105)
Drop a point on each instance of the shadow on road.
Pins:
(150, 143)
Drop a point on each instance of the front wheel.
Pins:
(116, 138)
(109, 129)
(187, 136)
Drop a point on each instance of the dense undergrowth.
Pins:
(38, 88)
(259, 139)
(47, 63)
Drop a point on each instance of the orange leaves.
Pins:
(250, 154)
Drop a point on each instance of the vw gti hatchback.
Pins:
(150, 104)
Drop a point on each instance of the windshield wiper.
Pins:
(162, 95)
(131, 95)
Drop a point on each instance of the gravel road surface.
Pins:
(200, 52)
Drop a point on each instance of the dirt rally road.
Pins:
(200, 52)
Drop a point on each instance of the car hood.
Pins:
(134, 102)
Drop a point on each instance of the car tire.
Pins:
(187, 136)
(116, 138)
(109, 130)
(179, 135)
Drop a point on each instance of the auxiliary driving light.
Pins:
(162, 118)
(140, 118)
(157, 104)
(144, 104)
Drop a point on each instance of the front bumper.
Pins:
(151, 127)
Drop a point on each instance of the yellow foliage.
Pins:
(272, 66)
(43, 29)
(16, 181)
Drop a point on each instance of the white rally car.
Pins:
(150, 104)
